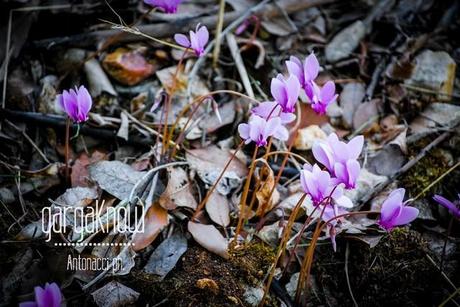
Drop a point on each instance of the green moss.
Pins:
(427, 170)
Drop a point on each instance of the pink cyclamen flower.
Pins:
(453, 207)
(197, 41)
(319, 185)
(76, 103)
(258, 130)
(271, 109)
(394, 212)
(286, 92)
(50, 296)
(305, 72)
(321, 98)
(167, 6)
(340, 158)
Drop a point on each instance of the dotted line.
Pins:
(92, 244)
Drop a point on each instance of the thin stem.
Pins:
(168, 103)
(282, 246)
(66, 154)
(310, 252)
(211, 190)
(245, 193)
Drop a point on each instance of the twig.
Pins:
(57, 121)
(232, 44)
(220, 25)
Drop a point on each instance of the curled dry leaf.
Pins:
(307, 136)
(32, 231)
(115, 177)
(209, 163)
(343, 44)
(210, 238)
(178, 192)
(266, 199)
(115, 294)
(155, 220)
(350, 98)
(218, 208)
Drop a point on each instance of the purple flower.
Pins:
(340, 158)
(259, 129)
(319, 185)
(321, 98)
(76, 103)
(306, 73)
(197, 42)
(49, 297)
(270, 109)
(453, 207)
(394, 213)
(286, 92)
(168, 6)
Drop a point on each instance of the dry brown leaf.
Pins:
(178, 192)
(210, 238)
(155, 220)
(78, 197)
(218, 208)
(80, 173)
(266, 177)
(115, 294)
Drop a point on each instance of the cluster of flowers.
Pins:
(269, 117)
(326, 187)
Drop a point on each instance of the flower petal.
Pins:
(392, 205)
(311, 67)
(407, 215)
(182, 40)
(355, 146)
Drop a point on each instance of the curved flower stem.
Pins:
(244, 196)
(282, 246)
(211, 190)
(288, 153)
(198, 101)
(308, 260)
(66, 154)
(168, 103)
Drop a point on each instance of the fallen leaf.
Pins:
(345, 42)
(350, 99)
(155, 220)
(387, 161)
(31, 231)
(115, 177)
(435, 71)
(218, 209)
(265, 198)
(80, 174)
(78, 197)
(366, 114)
(178, 192)
(213, 122)
(98, 81)
(115, 294)
(166, 255)
(435, 115)
(123, 131)
(209, 163)
(210, 238)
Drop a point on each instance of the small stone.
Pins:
(253, 296)
(207, 284)
(435, 71)
(307, 136)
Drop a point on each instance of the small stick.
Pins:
(233, 45)
(220, 25)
